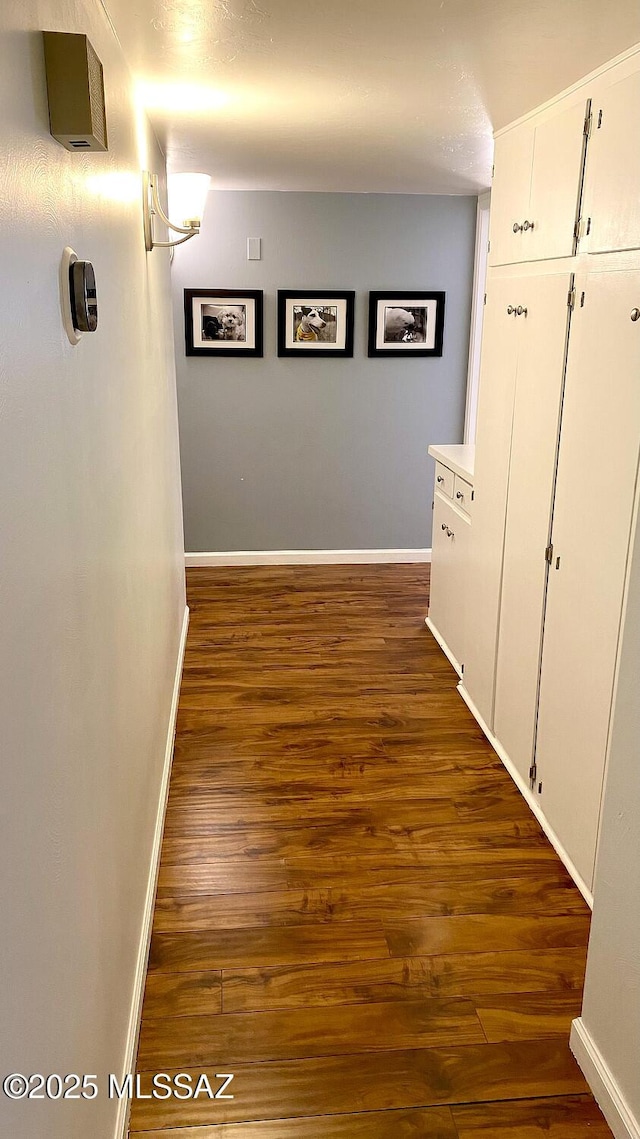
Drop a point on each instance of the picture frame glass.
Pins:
(224, 323)
(316, 323)
(406, 323)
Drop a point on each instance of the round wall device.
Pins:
(78, 296)
(82, 291)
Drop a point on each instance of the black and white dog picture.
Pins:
(406, 324)
(315, 324)
(223, 322)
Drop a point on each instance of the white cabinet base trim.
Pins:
(527, 794)
(135, 1015)
(444, 646)
(305, 557)
(602, 1082)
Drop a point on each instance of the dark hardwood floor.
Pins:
(357, 914)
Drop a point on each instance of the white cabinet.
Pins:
(448, 616)
(448, 592)
(493, 446)
(597, 471)
(536, 190)
(611, 215)
(510, 192)
(542, 336)
(556, 479)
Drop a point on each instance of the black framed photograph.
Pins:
(406, 324)
(315, 323)
(223, 322)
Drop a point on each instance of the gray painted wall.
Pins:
(91, 578)
(321, 454)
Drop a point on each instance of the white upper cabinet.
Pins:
(594, 502)
(510, 192)
(611, 215)
(536, 189)
(556, 181)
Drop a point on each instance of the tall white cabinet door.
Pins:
(447, 600)
(513, 157)
(612, 199)
(539, 385)
(493, 445)
(597, 469)
(556, 180)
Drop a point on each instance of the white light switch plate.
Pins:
(254, 249)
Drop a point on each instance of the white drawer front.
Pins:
(462, 492)
(445, 480)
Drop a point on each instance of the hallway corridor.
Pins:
(357, 914)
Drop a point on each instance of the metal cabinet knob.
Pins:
(527, 225)
(440, 478)
(520, 311)
(444, 525)
(450, 534)
(635, 314)
(459, 494)
(510, 310)
(517, 228)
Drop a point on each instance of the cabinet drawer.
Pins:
(462, 492)
(444, 480)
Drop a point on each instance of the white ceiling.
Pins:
(356, 95)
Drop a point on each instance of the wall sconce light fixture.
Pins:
(187, 194)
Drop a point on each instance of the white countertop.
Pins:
(458, 457)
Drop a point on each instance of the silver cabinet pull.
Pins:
(510, 310)
(440, 478)
(444, 525)
(635, 314)
(527, 225)
(517, 228)
(520, 311)
(459, 494)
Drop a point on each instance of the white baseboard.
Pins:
(443, 645)
(601, 1080)
(306, 557)
(122, 1121)
(527, 794)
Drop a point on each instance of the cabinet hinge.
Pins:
(548, 554)
(571, 298)
(533, 771)
(599, 118)
(588, 121)
(576, 229)
(493, 170)
(488, 247)
(485, 299)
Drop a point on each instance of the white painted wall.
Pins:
(611, 1011)
(91, 584)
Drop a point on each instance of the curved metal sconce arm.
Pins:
(152, 205)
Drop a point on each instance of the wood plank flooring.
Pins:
(357, 914)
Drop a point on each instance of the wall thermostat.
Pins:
(82, 292)
(78, 295)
